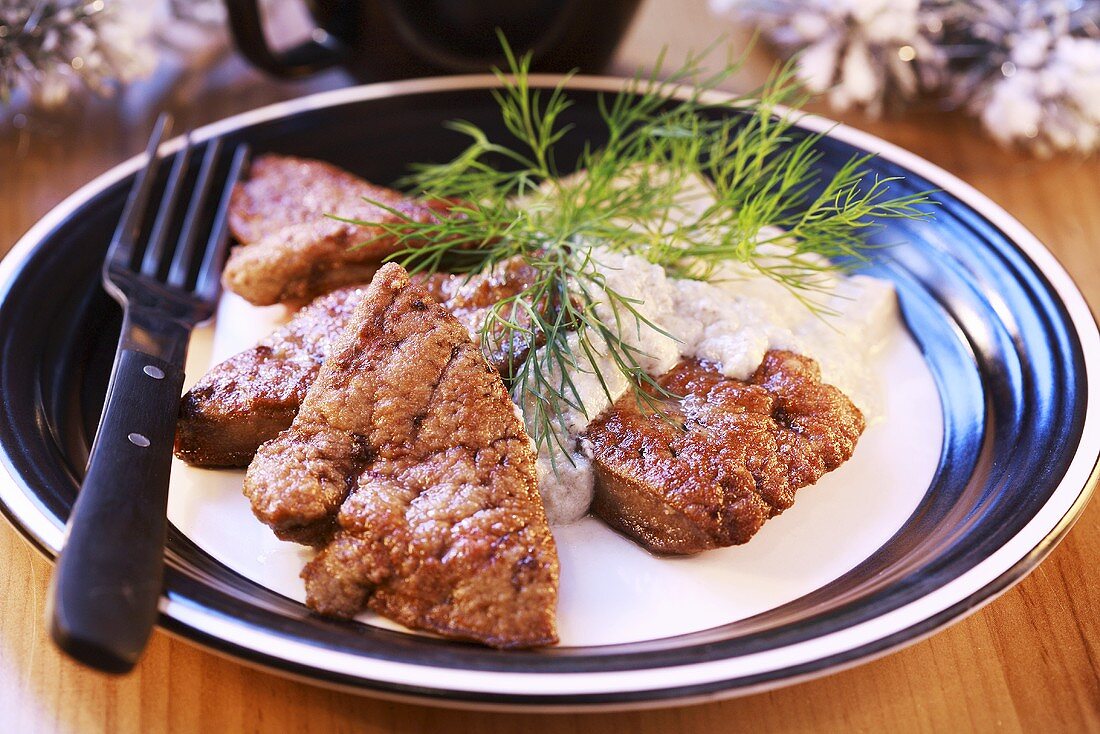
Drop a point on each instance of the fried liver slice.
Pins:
(250, 397)
(727, 455)
(409, 466)
(290, 251)
(471, 298)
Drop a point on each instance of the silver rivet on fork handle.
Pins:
(138, 440)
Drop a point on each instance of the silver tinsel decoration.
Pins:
(51, 49)
(1028, 69)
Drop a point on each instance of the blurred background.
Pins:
(82, 80)
(1004, 94)
(993, 90)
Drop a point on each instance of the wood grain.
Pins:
(1030, 661)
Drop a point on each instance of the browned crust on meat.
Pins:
(408, 462)
(727, 456)
(291, 252)
(471, 298)
(250, 397)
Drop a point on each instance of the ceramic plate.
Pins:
(983, 456)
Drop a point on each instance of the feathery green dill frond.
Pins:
(682, 180)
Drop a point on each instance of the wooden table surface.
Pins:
(1029, 661)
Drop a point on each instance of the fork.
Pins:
(105, 592)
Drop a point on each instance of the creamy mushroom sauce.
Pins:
(730, 321)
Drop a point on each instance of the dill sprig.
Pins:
(679, 181)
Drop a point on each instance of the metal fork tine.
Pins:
(208, 282)
(158, 236)
(185, 249)
(129, 226)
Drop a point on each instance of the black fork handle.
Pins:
(108, 580)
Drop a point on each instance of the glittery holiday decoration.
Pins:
(1028, 69)
(50, 49)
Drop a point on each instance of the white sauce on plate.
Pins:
(730, 320)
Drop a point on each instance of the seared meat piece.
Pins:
(291, 251)
(252, 396)
(727, 456)
(471, 298)
(408, 462)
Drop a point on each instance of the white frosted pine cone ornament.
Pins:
(858, 53)
(1046, 96)
(1028, 69)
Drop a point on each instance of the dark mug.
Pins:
(391, 39)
